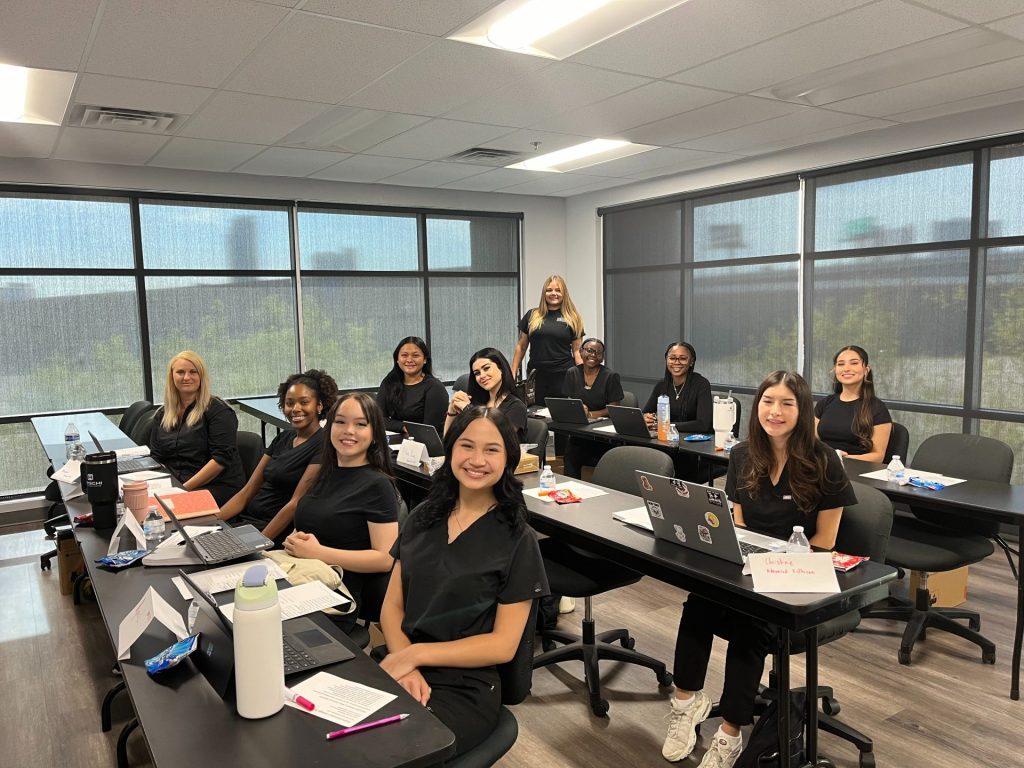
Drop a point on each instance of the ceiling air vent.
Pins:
(486, 156)
(121, 119)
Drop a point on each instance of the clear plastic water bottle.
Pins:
(895, 471)
(730, 441)
(78, 452)
(664, 417)
(153, 528)
(673, 434)
(547, 482)
(71, 436)
(797, 541)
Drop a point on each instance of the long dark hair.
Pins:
(378, 455)
(322, 383)
(392, 386)
(807, 457)
(477, 393)
(863, 418)
(508, 491)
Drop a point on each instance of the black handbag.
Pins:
(526, 389)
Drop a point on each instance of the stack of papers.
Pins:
(637, 517)
(579, 489)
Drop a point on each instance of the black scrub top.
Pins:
(606, 388)
(514, 409)
(835, 422)
(772, 509)
(551, 344)
(282, 473)
(690, 410)
(423, 403)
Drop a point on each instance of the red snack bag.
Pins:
(564, 496)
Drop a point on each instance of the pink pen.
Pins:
(302, 701)
(364, 727)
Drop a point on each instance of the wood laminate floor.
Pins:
(948, 709)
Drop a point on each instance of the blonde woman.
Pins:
(194, 433)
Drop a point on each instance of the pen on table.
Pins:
(365, 727)
(302, 701)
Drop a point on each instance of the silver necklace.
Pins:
(679, 389)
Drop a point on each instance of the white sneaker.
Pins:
(566, 604)
(682, 726)
(720, 754)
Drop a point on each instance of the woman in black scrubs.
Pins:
(598, 387)
(349, 517)
(779, 477)
(491, 384)
(852, 420)
(467, 567)
(410, 392)
(289, 466)
(194, 433)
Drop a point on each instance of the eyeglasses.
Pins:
(679, 359)
(594, 351)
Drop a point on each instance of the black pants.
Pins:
(467, 701)
(750, 641)
(551, 384)
(583, 453)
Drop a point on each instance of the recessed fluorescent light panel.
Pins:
(582, 156)
(34, 95)
(556, 29)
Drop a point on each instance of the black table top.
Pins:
(705, 449)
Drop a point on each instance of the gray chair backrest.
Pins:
(617, 468)
(461, 384)
(537, 432)
(865, 526)
(629, 399)
(899, 443)
(250, 449)
(139, 433)
(972, 457)
(132, 413)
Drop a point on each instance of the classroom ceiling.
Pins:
(371, 91)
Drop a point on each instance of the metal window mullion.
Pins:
(140, 290)
(296, 256)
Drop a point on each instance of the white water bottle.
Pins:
(664, 418)
(547, 482)
(895, 471)
(798, 541)
(259, 652)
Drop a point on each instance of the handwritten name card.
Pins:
(785, 572)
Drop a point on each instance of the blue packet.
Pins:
(931, 485)
(173, 656)
(697, 438)
(123, 559)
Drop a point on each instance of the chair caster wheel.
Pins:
(665, 679)
(988, 657)
(867, 760)
(599, 707)
(974, 623)
(628, 642)
(904, 657)
(830, 706)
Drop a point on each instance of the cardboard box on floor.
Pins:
(69, 563)
(948, 588)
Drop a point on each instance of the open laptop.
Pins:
(697, 517)
(221, 546)
(630, 421)
(426, 434)
(306, 646)
(568, 410)
(126, 464)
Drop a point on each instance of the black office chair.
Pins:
(140, 430)
(461, 384)
(899, 443)
(579, 574)
(932, 541)
(629, 400)
(250, 451)
(132, 413)
(537, 432)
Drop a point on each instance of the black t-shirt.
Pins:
(282, 473)
(606, 387)
(771, 509)
(835, 422)
(514, 409)
(338, 511)
(690, 409)
(423, 403)
(453, 590)
(551, 344)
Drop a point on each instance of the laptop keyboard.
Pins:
(222, 545)
(136, 465)
(751, 549)
(295, 659)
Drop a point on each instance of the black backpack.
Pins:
(762, 750)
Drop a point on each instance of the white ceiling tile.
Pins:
(974, 10)
(663, 157)
(203, 154)
(596, 186)
(366, 168)
(701, 30)
(99, 146)
(800, 123)
(438, 139)
(432, 17)
(715, 118)
(287, 161)
(637, 107)
(434, 174)
(494, 179)
(1013, 26)
(248, 118)
(195, 42)
(545, 92)
(443, 77)
(854, 35)
(787, 142)
(550, 183)
(25, 140)
(327, 59)
(50, 34)
(523, 141)
(106, 91)
(284, 3)
(1010, 96)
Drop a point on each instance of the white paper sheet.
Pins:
(144, 474)
(340, 701)
(127, 521)
(609, 428)
(69, 473)
(880, 474)
(785, 572)
(299, 600)
(637, 516)
(161, 484)
(224, 578)
(150, 606)
(135, 450)
(583, 491)
(543, 413)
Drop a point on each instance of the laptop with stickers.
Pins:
(697, 517)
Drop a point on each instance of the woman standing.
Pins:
(194, 433)
(289, 466)
(779, 477)
(467, 567)
(852, 420)
(490, 385)
(410, 392)
(350, 516)
(598, 387)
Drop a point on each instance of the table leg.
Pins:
(1019, 627)
(783, 675)
(811, 684)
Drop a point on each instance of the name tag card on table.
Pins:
(785, 572)
(150, 607)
